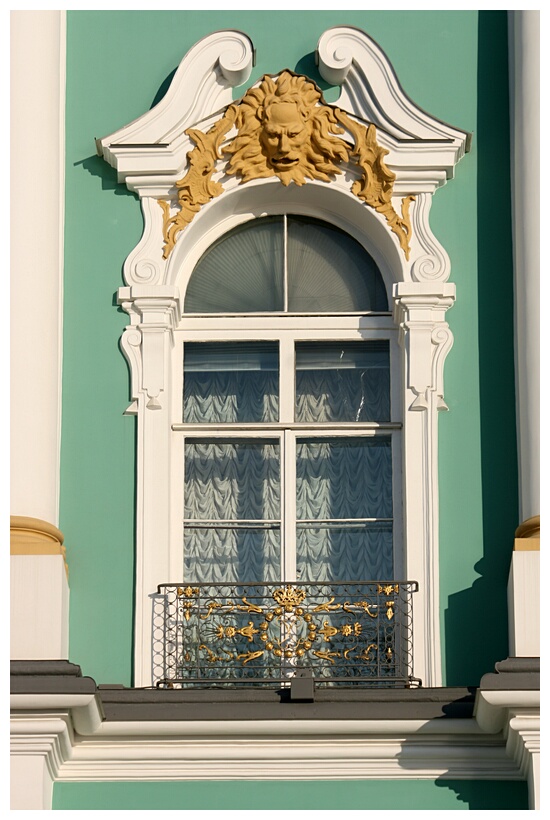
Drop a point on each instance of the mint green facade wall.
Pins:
(340, 795)
(454, 65)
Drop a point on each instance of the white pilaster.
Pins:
(524, 604)
(425, 337)
(39, 743)
(37, 159)
(147, 344)
(524, 47)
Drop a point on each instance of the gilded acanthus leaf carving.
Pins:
(196, 188)
(375, 187)
(285, 129)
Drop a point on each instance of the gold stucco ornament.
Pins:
(285, 129)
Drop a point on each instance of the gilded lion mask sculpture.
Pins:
(285, 129)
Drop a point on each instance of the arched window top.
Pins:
(287, 264)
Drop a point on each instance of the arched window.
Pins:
(290, 319)
(290, 264)
(288, 417)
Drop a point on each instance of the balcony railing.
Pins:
(239, 634)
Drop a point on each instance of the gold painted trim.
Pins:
(285, 129)
(530, 528)
(527, 545)
(33, 536)
(528, 535)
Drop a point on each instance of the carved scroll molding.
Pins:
(145, 264)
(371, 90)
(419, 312)
(202, 84)
(431, 262)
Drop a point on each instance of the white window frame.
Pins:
(282, 329)
(150, 154)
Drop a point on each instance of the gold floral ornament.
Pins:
(289, 598)
(285, 129)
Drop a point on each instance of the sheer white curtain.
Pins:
(228, 382)
(232, 511)
(349, 479)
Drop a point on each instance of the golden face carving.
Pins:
(285, 129)
(284, 132)
(284, 135)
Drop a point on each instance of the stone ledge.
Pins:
(513, 674)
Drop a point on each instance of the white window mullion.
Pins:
(285, 265)
(286, 379)
(289, 506)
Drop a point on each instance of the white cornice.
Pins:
(493, 706)
(69, 731)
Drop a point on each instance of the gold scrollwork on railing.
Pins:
(301, 633)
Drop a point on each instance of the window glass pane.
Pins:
(232, 480)
(342, 381)
(230, 555)
(346, 478)
(339, 481)
(240, 273)
(329, 271)
(231, 382)
(332, 552)
(232, 511)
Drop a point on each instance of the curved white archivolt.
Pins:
(262, 198)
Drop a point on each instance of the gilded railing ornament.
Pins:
(285, 129)
(219, 628)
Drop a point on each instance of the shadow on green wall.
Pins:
(476, 621)
(97, 167)
(488, 794)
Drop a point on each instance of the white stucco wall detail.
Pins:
(524, 36)
(37, 131)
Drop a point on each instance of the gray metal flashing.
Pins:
(48, 667)
(119, 703)
(271, 704)
(513, 674)
(49, 678)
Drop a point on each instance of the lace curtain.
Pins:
(233, 503)
(232, 528)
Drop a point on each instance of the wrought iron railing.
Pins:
(238, 634)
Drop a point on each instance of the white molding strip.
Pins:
(65, 738)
